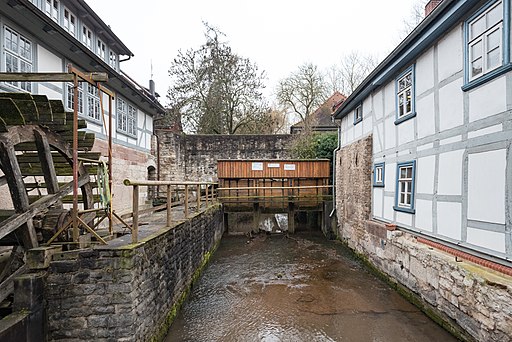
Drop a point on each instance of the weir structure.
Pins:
(274, 186)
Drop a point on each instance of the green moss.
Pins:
(173, 312)
(413, 298)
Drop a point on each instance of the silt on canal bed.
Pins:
(301, 288)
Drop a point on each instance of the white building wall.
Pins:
(460, 142)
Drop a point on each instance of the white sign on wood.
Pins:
(257, 166)
(273, 165)
(289, 167)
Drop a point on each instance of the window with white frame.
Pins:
(101, 49)
(485, 41)
(18, 56)
(87, 37)
(378, 175)
(69, 22)
(71, 97)
(405, 95)
(358, 114)
(93, 102)
(52, 9)
(113, 59)
(404, 196)
(126, 117)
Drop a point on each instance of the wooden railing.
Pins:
(172, 187)
(273, 193)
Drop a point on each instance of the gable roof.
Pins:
(322, 115)
(447, 14)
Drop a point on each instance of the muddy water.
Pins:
(302, 288)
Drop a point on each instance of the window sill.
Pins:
(487, 77)
(378, 185)
(405, 118)
(133, 136)
(357, 121)
(404, 210)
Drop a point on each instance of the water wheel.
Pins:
(36, 161)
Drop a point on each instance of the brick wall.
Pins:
(472, 301)
(193, 157)
(128, 293)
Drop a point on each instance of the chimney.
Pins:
(152, 87)
(431, 5)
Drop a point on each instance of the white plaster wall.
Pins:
(425, 116)
(378, 138)
(449, 51)
(450, 173)
(491, 240)
(388, 208)
(389, 133)
(404, 219)
(378, 109)
(389, 176)
(406, 131)
(367, 124)
(47, 61)
(486, 186)
(451, 112)
(425, 169)
(423, 215)
(50, 93)
(377, 202)
(449, 219)
(389, 98)
(358, 130)
(479, 105)
(424, 75)
(485, 131)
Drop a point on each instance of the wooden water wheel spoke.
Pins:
(46, 160)
(11, 169)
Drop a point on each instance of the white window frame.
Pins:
(405, 187)
(378, 175)
(483, 39)
(112, 61)
(19, 55)
(358, 114)
(101, 49)
(70, 97)
(52, 9)
(401, 93)
(69, 21)
(93, 110)
(126, 118)
(86, 37)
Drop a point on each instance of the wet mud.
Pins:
(297, 288)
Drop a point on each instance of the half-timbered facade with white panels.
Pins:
(47, 35)
(439, 111)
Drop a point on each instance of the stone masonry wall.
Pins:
(128, 293)
(472, 301)
(193, 157)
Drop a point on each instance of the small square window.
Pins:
(358, 114)
(405, 184)
(378, 175)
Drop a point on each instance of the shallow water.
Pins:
(302, 288)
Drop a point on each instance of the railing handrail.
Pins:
(129, 182)
(276, 187)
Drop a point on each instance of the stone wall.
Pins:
(128, 293)
(194, 157)
(472, 301)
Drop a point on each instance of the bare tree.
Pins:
(303, 91)
(214, 90)
(416, 15)
(351, 71)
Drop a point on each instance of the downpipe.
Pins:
(334, 153)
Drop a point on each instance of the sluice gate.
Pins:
(288, 186)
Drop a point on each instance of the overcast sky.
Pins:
(278, 35)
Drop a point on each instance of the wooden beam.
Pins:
(50, 77)
(15, 221)
(7, 286)
(46, 161)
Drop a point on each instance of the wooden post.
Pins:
(169, 205)
(291, 217)
(186, 201)
(135, 222)
(198, 189)
(206, 195)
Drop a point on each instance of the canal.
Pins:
(297, 288)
